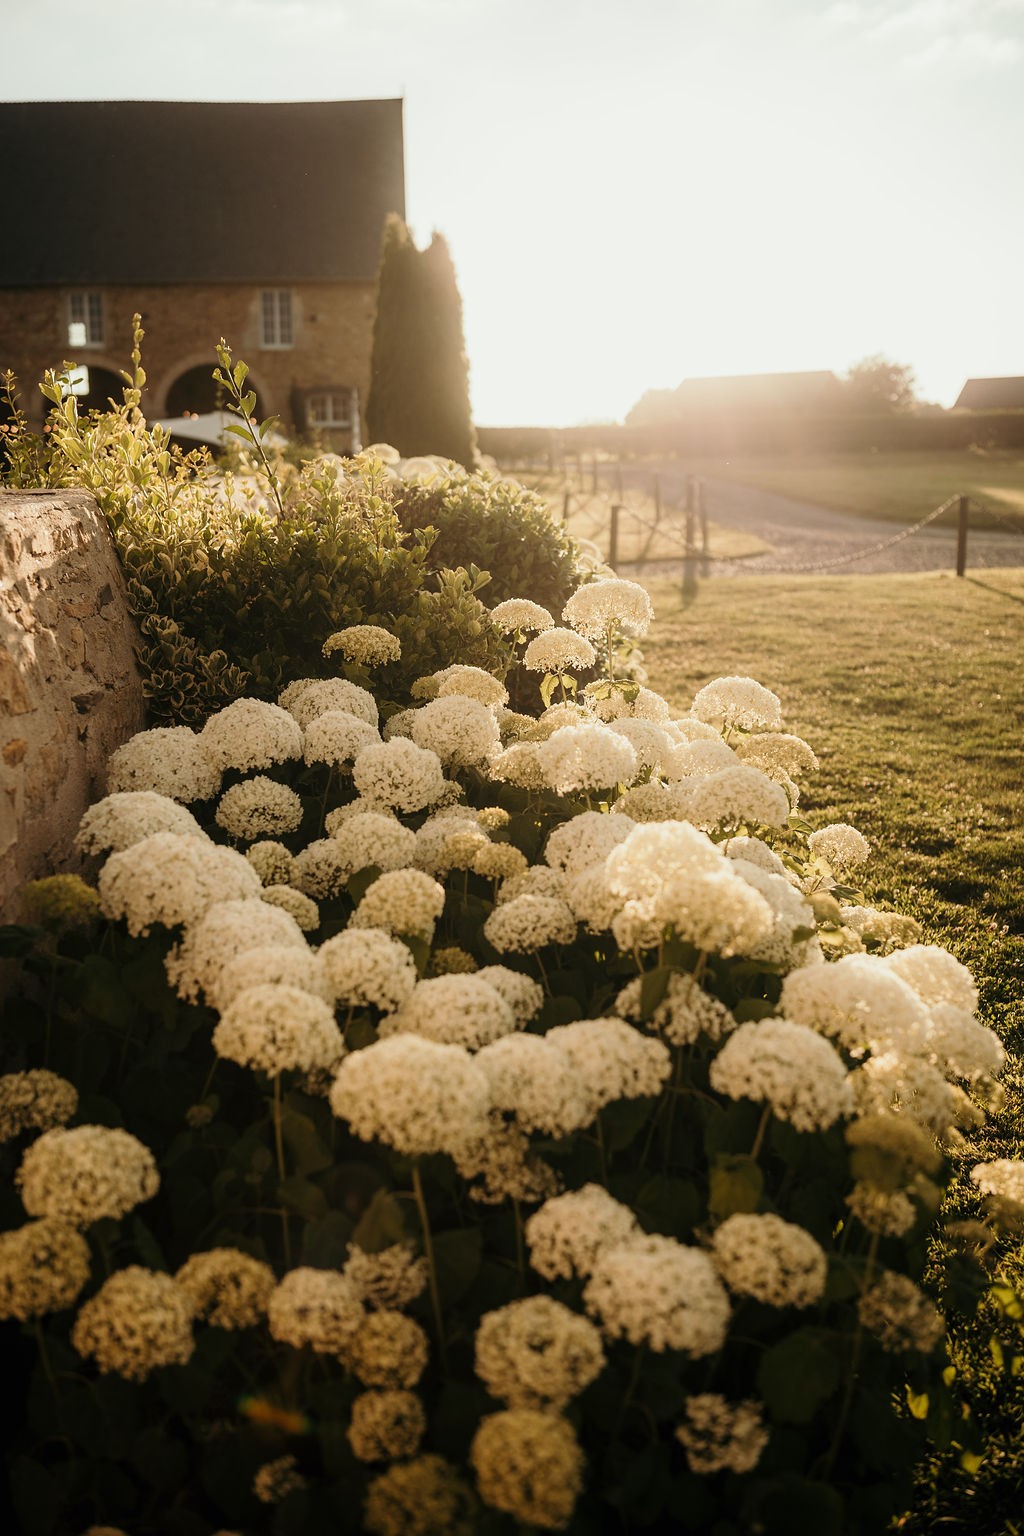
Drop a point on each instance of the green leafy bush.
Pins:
(485, 520)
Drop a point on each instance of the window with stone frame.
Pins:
(277, 322)
(85, 318)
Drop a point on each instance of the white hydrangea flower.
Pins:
(776, 749)
(773, 1260)
(386, 1425)
(793, 1070)
(138, 1321)
(559, 650)
(586, 757)
(170, 879)
(597, 606)
(412, 1094)
(227, 1287)
(366, 643)
(535, 880)
(39, 1100)
(391, 1278)
(528, 1464)
(735, 796)
(519, 613)
(900, 1315)
(857, 1001)
(389, 1350)
(738, 703)
(124, 818)
(83, 1175)
(332, 693)
(258, 807)
(225, 931)
(840, 844)
(168, 760)
(518, 765)
(373, 839)
(275, 1028)
(652, 1290)
(570, 1232)
(616, 704)
(337, 737)
(399, 775)
(318, 1307)
(471, 683)
(613, 1060)
(910, 1084)
(754, 851)
(368, 966)
(537, 1353)
(698, 759)
(654, 801)
(523, 995)
(499, 1164)
(455, 1010)
(499, 861)
(280, 964)
(272, 861)
(322, 869)
(44, 1266)
(688, 728)
(889, 1213)
(586, 839)
(422, 1497)
(528, 923)
(304, 910)
(685, 1012)
(462, 732)
(276, 1479)
(431, 851)
(649, 741)
(791, 912)
(935, 975)
(401, 901)
(886, 930)
(528, 1078)
(719, 1436)
(250, 734)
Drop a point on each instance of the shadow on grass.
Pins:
(987, 586)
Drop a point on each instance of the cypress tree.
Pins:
(419, 376)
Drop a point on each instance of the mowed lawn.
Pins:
(897, 486)
(911, 691)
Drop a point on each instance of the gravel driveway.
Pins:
(801, 534)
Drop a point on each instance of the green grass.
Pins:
(911, 691)
(898, 486)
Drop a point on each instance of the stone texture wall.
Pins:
(69, 688)
(183, 322)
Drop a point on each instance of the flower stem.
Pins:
(762, 1129)
(428, 1248)
(279, 1149)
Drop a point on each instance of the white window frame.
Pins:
(277, 319)
(87, 310)
(329, 419)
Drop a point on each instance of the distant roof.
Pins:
(991, 395)
(174, 192)
(770, 391)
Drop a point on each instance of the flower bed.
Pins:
(478, 1118)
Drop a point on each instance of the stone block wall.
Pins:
(70, 691)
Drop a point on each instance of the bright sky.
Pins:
(638, 191)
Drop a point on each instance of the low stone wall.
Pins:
(69, 688)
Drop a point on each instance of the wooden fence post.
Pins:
(961, 536)
(691, 500)
(613, 535)
(702, 508)
(565, 506)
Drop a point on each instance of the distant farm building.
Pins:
(260, 223)
(1005, 394)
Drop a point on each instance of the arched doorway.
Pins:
(104, 385)
(194, 392)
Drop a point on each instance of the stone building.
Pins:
(260, 223)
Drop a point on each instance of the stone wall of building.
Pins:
(70, 691)
(333, 338)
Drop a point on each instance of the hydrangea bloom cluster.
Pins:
(138, 1321)
(36, 1100)
(82, 1175)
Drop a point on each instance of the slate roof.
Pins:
(1006, 394)
(133, 192)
